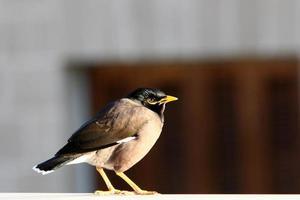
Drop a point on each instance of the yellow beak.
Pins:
(167, 99)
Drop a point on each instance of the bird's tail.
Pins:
(52, 164)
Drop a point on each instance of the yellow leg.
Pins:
(110, 187)
(105, 178)
(134, 186)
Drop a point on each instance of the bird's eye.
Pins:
(151, 101)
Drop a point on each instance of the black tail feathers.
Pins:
(52, 164)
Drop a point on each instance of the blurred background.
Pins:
(233, 64)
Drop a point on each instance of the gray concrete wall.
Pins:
(39, 37)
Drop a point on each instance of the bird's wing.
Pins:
(118, 122)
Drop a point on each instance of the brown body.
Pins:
(123, 156)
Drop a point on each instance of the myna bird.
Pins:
(118, 137)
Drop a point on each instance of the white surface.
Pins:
(74, 196)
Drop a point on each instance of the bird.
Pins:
(116, 138)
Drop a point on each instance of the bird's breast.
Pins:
(128, 154)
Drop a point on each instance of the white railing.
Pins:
(90, 196)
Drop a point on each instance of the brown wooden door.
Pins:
(233, 130)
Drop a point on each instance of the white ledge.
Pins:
(88, 196)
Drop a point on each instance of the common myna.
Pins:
(116, 138)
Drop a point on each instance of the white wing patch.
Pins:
(81, 159)
(87, 157)
(126, 139)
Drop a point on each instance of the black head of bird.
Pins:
(152, 99)
(118, 137)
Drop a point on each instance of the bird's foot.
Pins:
(145, 192)
(124, 192)
(113, 192)
(108, 192)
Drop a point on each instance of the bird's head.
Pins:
(153, 99)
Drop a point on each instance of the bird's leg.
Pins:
(110, 187)
(134, 186)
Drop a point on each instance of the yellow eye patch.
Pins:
(151, 101)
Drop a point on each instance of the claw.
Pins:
(114, 192)
(145, 192)
(108, 192)
(124, 192)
